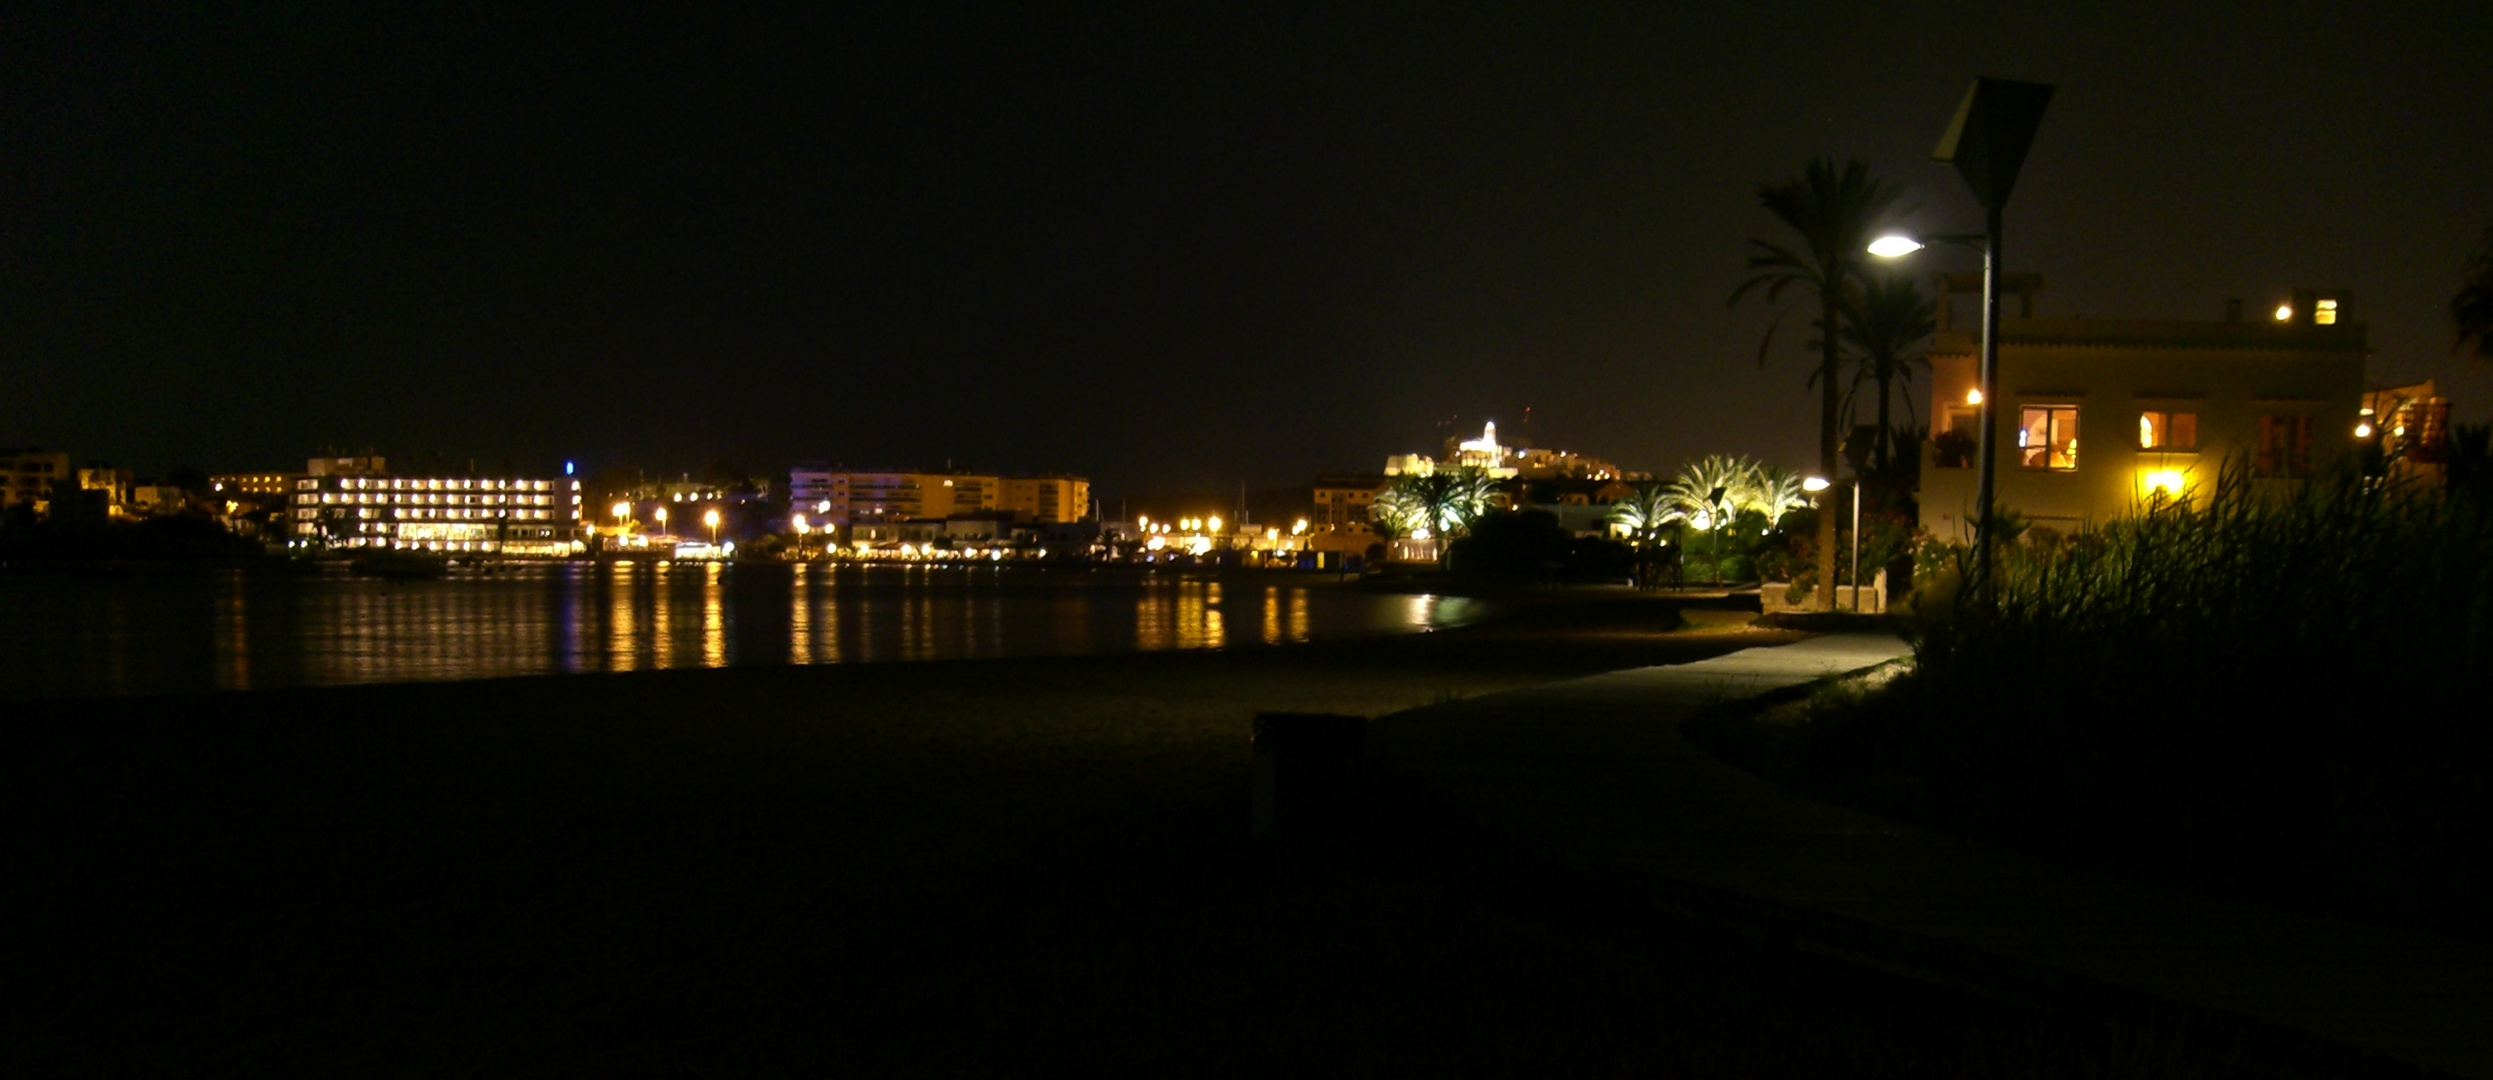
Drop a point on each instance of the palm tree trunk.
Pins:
(1828, 408)
(1886, 376)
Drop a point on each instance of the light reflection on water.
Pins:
(80, 636)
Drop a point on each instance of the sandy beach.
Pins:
(951, 867)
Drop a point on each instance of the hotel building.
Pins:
(355, 503)
(865, 498)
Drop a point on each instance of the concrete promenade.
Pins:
(1595, 770)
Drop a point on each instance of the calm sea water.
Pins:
(72, 636)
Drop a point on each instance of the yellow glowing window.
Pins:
(2324, 312)
(2168, 431)
(2047, 437)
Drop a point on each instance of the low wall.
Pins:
(1873, 595)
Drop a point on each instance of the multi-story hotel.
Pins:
(354, 503)
(853, 498)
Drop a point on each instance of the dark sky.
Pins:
(1182, 246)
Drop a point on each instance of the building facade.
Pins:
(868, 498)
(1343, 500)
(1051, 500)
(27, 475)
(455, 515)
(2163, 405)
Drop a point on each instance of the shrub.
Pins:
(2266, 692)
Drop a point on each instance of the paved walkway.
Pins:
(1595, 769)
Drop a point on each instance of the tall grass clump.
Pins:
(2275, 691)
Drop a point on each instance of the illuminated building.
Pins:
(363, 507)
(2411, 427)
(1504, 461)
(27, 475)
(1342, 500)
(2162, 405)
(867, 498)
(105, 490)
(1052, 500)
(236, 485)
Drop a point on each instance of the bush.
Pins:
(1512, 544)
(2268, 694)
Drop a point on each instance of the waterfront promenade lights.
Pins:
(1987, 142)
(710, 518)
(623, 511)
(662, 519)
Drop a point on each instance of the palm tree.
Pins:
(2472, 308)
(1442, 501)
(1711, 486)
(1885, 322)
(1834, 214)
(1773, 492)
(1645, 512)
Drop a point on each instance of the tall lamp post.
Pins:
(1987, 142)
(1818, 484)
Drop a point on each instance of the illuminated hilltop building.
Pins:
(1503, 461)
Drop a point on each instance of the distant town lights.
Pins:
(2285, 312)
(2363, 430)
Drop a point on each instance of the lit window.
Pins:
(2047, 437)
(2168, 431)
(2324, 312)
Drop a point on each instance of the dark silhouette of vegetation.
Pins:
(1833, 213)
(188, 478)
(2271, 697)
(181, 538)
(1886, 321)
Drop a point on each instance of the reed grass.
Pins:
(2274, 690)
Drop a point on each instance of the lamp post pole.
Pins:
(1987, 143)
(1856, 542)
(1986, 453)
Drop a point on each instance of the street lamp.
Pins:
(1987, 142)
(1816, 484)
(662, 520)
(710, 518)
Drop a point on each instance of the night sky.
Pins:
(1179, 247)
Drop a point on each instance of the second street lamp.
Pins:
(1987, 143)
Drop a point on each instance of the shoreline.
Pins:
(325, 879)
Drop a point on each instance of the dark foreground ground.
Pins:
(990, 868)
